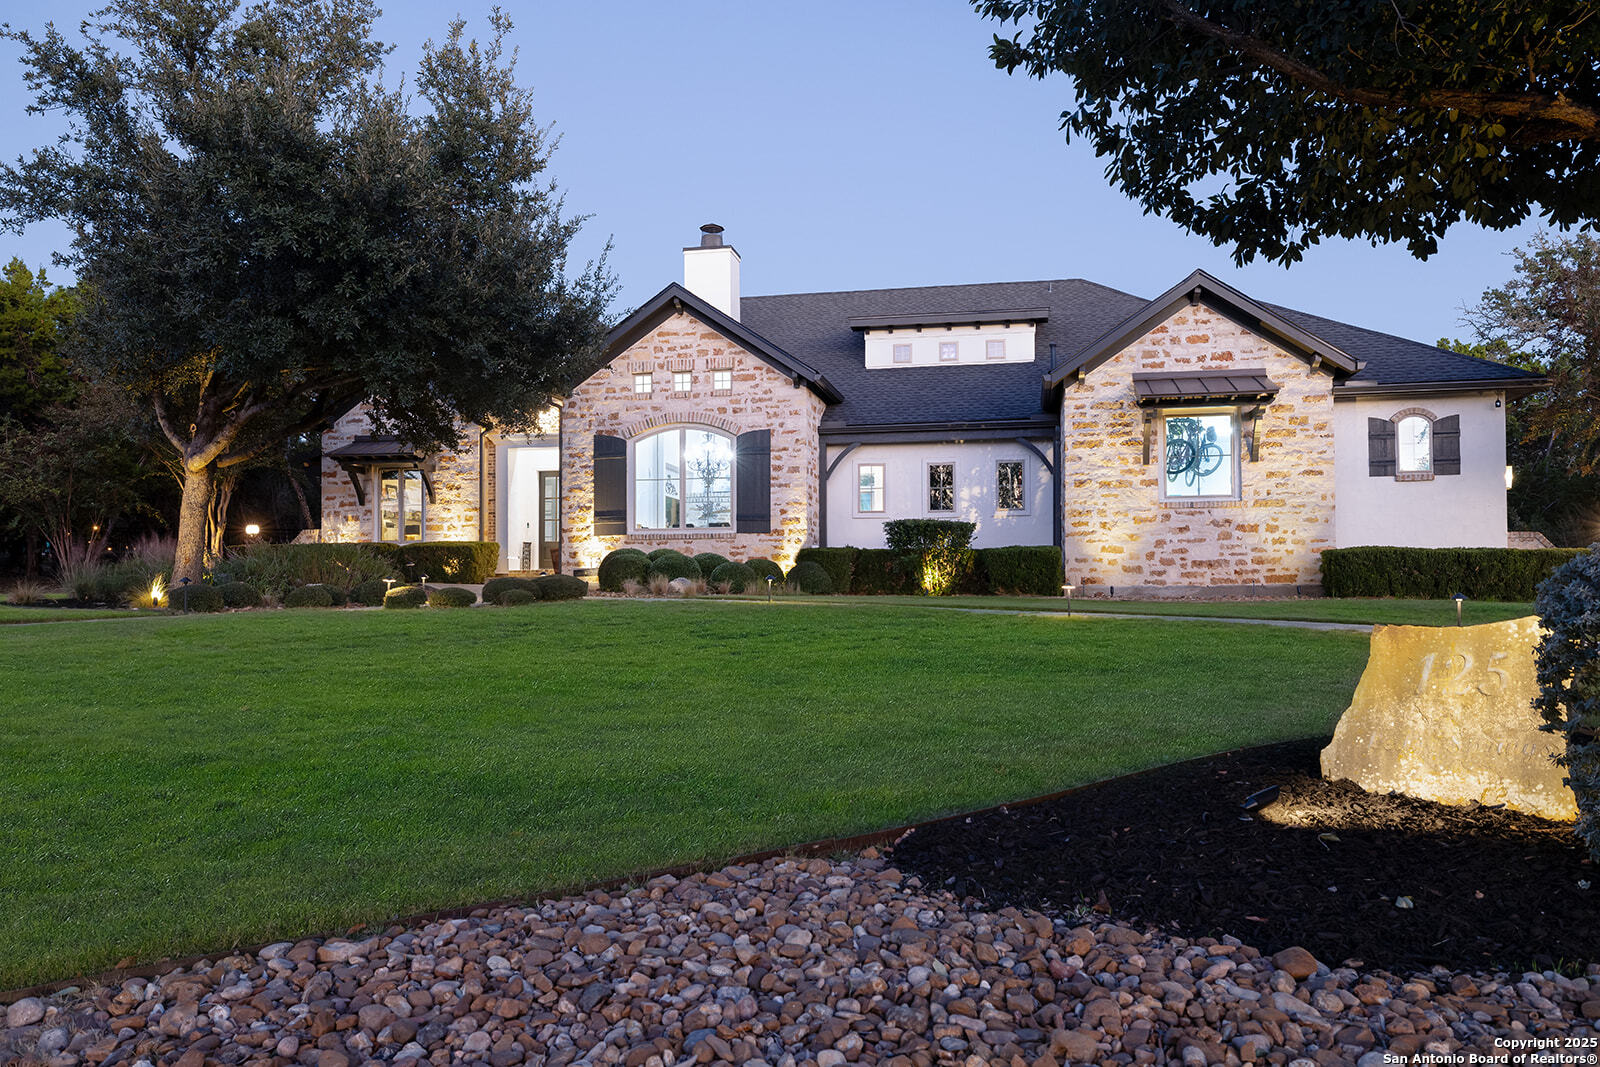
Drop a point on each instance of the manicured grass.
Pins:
(181, 784)
(13, 613)
(1354, 610)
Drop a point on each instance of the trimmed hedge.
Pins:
(674, 565)
(708, 562)
(471, 562)
(405, 597)
(495, 589)
(885, 572)
(942, 547)
(1438, 573)
(1024, 570)
(838, 562)
(622, 566)
(560, 587)
(810, 578)
(739, 577)
(452, 596)
(239, 595)
(370, 592)
(765, 569)
(515, 598)
(309, 596)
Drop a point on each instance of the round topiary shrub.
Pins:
(406, 596)
(657, 553)
(452, 596)
(200, 598)
(515, 598)
(709, 561)
(674, 565)
(239, 595)
(308, 596)
(338, 595)
(738, 577)
(370, 592)
(623, 565)
(561, 587)
(809, 577)
(495, 588)
(765, 569)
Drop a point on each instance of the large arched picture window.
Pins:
(683, 480)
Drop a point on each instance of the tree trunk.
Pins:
(294, 483)
(31, 563)
(193, 515)
(223, 483)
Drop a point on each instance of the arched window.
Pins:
(683, 480)
(1414, 445)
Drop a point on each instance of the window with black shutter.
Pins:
(1380, 448)
(610, 485)
(753, 482)
(1447, 445)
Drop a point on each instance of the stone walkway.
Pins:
(788, 964)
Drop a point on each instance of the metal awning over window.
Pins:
(369, 451)
(1246, 386)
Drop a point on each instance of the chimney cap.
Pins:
(711, 235)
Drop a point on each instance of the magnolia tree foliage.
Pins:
(267, 235)
(1568, 670)
(1268, 125)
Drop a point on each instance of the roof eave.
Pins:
(1511, 387)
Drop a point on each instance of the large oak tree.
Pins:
(266, 234)
(1268, 125)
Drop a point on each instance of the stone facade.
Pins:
(1117, 528)
(762, 398)
(451, 514)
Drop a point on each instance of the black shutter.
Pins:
(1380, 448)
(610, 485)
(753, 481)
(1447, 445)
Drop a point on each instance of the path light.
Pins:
(770, 580)
(1458, 598)
(388, 584)
(185, 583)
(1067, 592)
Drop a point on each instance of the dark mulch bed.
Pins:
(1490, 889)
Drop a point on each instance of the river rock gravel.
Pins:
(789, 963)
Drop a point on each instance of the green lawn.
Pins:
(12, 613)
(180, 784)
(1355, 610)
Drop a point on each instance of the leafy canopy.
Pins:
(34, 320)
(1268, 125)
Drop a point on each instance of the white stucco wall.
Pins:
(906, 492)
(1465, 510)
(972, 345)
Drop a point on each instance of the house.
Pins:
(1199, 440)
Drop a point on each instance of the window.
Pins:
(869, 486)
(683, 480)
(1414, 445)
(949, 351)
(902, 353)
(642, 384)
(941, 487)
(722, 381)
(1008, 493)
(682, 381)
(1200, 453)
(400, 505)
(995, 349)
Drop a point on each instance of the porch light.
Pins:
(252, 530)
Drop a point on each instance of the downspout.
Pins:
(561, 484)
(481, 483)
(822, 490)
(1058, 488)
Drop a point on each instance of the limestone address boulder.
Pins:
(1445, 714)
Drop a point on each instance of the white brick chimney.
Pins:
(711, 271)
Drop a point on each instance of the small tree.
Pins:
(941, 547)
(1568, 671)
(269, 235)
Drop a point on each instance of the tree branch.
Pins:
(1558, 117)
(161, 420)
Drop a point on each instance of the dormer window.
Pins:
(995, 349)
(902, 353)
(949, 351)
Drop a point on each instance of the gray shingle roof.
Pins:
(816, 327)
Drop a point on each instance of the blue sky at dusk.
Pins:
(844, 145)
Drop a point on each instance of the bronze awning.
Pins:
(379, 450)
(1152, 390)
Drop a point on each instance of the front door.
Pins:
(549, 518)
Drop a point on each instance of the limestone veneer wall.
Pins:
(1119, 532)
(762, 398)
(451, 514)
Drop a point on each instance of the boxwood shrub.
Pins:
(452, 596)
(560, 587)
(445, 561)
(810, 578)
(838, 562)
(621, 566)
(708, 562)
(739, 577)
(1438, 573)
(370, 592)
(885, 572)
(1025, 570)
(765, 569)
(308, 596)
(200, 598)
(657, 553)
(941, 547)
(673, 565)
(405, 597)
(496, 588)
(239, 595)
(516, 598)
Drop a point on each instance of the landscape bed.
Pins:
(183, 784)
(1397, 883)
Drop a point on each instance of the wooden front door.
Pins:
(549, 518)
